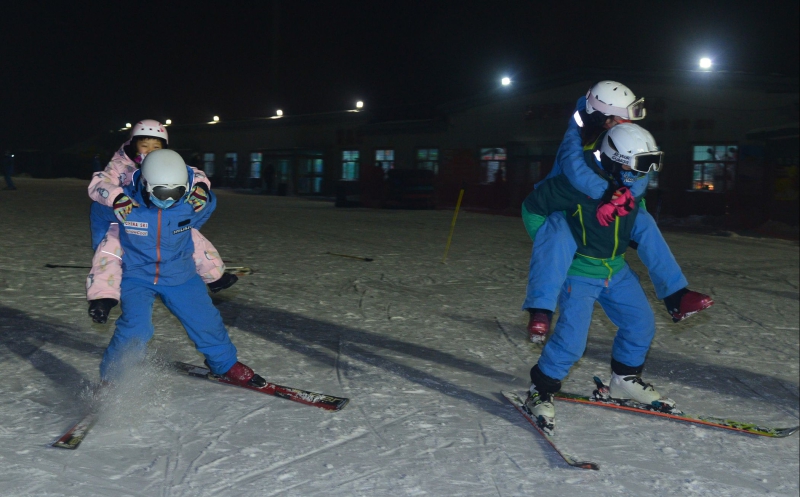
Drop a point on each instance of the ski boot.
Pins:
(225, 281)
(685, 303)
(541, 408)
(99, 309)
(633, 388)
(244, 376)
(538, 324)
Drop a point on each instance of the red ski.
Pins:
(328, 402)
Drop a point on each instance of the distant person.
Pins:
(107, 189)
(606, 105)
(8, 170)
(97, 166)
(158, 263)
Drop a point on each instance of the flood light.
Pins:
(705, 63)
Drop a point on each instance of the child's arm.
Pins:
(201, 216)
(107, 185)
(570, 157)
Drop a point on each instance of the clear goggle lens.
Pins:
(636, 110)
(648, 161)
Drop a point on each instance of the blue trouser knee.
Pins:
(654, 252)
(553, 251)
(189, 302)
(625, 304)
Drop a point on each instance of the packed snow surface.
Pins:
(421, 348)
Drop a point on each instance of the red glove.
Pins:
(621, 203)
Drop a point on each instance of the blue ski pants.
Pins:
(189, 302)
(625, 304)
(554, 249)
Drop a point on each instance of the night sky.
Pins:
(72, 70)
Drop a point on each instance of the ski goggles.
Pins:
(641, 163)
(633, 112)
(167, 192)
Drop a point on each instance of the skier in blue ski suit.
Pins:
(157, 261)
(554, 248)
(598, 273)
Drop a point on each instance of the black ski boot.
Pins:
(99, 309)
(225, 281)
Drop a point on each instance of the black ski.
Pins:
(328, 402)
(517, 402)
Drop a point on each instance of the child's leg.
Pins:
(206, 258)
(552, 255)
(626, 305)
(654, 252)
(568, 341)
(191, 304)
(134, 329)
(106, 273)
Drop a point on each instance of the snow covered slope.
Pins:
(421, 348)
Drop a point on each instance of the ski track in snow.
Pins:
(421, 348)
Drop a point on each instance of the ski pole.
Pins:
(452, 226)
(367, 259)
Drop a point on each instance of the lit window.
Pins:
(493, 165)
(255, 164)
(208, 164)
(428, 158)
(350, 162)
(714, 167)
(310, 179)
(384, 159)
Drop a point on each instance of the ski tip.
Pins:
(587, 465)
(786, 432)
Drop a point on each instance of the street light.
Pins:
(127, 125)
(278, 112)
(216, 119)
(168, 122)
(705, 63)
(359, 105)
(505, 81)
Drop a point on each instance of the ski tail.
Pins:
(519, 404)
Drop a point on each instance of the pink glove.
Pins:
(621, 204)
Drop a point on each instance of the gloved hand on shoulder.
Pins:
(198, 197)
(123, 205)
(621, 203)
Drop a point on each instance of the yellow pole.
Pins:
(452, 226)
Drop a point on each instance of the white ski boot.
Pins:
(634, 388)
(541, 408)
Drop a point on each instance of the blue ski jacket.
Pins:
(570, 161)
(157, 243)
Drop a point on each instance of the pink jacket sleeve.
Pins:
(106, 185)
(200, 177)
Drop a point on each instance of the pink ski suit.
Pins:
(106, 273)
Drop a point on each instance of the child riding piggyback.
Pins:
(106, 189)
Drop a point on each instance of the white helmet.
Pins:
(631, 145)
(614, 99)
(165, 175)
(150, 128)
